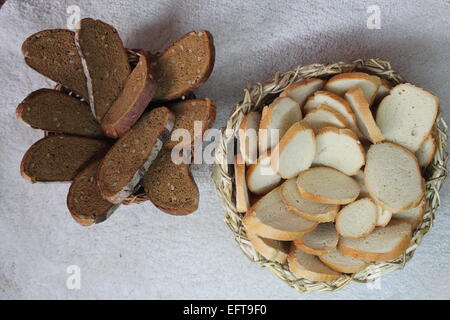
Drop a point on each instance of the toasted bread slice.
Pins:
(260, 176)
(341, 83)
(273, 250)
(412, 216)
(300, 91)
(322, 240)
(358, 219)
(248, 137)
(426, 151)
(383, 217)
(341, 263)
(242, 198)
(324, 116)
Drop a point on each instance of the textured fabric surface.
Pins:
(143, 253)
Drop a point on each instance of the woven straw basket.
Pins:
(259, 95)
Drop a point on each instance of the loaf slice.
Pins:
(270, 218)
(309, 267)
(105, 63)
(300, 91)
(407, 115)
(170, 187)
(55, 111)
(295, 152)
(260, 176)
(84, 201)
(393, 177)
(273, 250)
(127, 161)
(426, 151)
(324, 116)
(280, 115)
(359, 177)
(383, 90)
(248, 137)
(132, 101)
(412, 216)
(322, 240)
(383, 217)
(327, 185)
(358, 219)
(383, 244)
(341, 83)
(339, 149)
(59, 157)
(185, 65)
(242, 197)
(53, 53)
(340, 263)
(315, 211)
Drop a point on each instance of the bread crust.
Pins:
(268, 252)
(303, 83)
(422, 208)
(361, 236)
(242, 197)
(430, 155)
(250, 171)
(356, 75)
(242, 137)
(342, 268)
(336, 114)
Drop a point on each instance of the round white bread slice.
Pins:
(383, 90)
(340, 263)
(327, 185)
(242, 198)
(300, 91)
(271, 219)
(384, 217)
(295, 152)
(383, 244)
(426, 151)
(364, 117)
(324, 116)
(309, 267)
(280, 115)
(273, 250)
(358, 219)
(339, 149)
(341, 83)
(315, 211)
(248, 137)
(407, 115)
(322, 240)
(393, 177)
(260, 176)
(359, 177)
(412, 216)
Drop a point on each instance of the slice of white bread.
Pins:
(340, 263)
(412, 216)
(315, 211)
(358, 219)
(324, 116)
(393, 177)
(322, 240)
(273, 250)
(364, 118)
(295, 152)
(407, 115)
(383, 90)
(248, 137)
(300, 91)
(309, 267)
(384, 217)
(260, 176)
(426, 151)
(270, 218)
(280, 115)
(359, 177)
(242, 198)
(341, 83)
(383, 244)
(339, 149)
(327, 185)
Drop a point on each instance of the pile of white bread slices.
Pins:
(342, 185)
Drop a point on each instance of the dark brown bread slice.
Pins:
(105, 63)
(84, 199)
(53, 53)
(127, 161)
(170, 186)
(56, 111)
(136, 95)
(60, 157)
(189, 111)
(185, 65)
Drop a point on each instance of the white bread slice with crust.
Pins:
(343, 264)
(309, 267)
(327, 185)
(242, 198)
(407, 115)
(384, 217)
(315, 211)
(300, 91)
(383, 90)
(322, 240)
(364, 117)
(426, 151)
(280, 115)
(358, 219)
(341, 83)
(260, 176)
(295, 152)
(271, 219)
(248, 137)
(359, 177)
(273, 250)
(412, 216)
(324, 116)
(393, 177)
(339, 149)
(383, 244)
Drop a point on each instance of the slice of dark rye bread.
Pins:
(60, 157)
(185, 65)
(134, 98)
(170, 187)
(53, 53)
(127, 161)
(84, 200)
(56, 111)
(105, 63)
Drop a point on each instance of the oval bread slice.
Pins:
(322, 240)
(273, 250)
(300, 91)
(248, 137)
(358, 219)
(260, 176)
(324, 116)
(383, 217)
(242, 198)
(341, 83)
(359, 177)
(412, 216)
(343, 264)
(426, 151)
